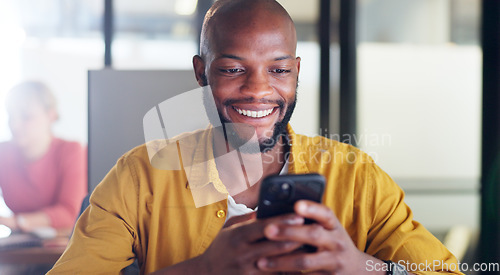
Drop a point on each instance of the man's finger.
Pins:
(254, 231)
(268, 248)
(318, 262)
(240, 219)
(317, 212)
(312, 234)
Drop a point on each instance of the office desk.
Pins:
(29, 250)
(31, 255)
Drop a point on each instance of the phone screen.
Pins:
(278, 195)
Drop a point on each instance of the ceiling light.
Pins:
(185, 7)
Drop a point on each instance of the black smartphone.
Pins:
(278, 194)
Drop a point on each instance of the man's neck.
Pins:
(272, 162)
(274, 159)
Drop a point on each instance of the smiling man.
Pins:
(247, 56)
(249, 61)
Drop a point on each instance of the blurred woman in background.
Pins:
(43, 178)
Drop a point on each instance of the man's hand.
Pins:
(336, 253)
(237, 248)
(239, 219)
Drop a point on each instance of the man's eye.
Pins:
(280, 71)
(231, 71)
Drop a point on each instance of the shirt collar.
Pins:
(201, 169)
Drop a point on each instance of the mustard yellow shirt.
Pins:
(141, 212)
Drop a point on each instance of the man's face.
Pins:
(253, 72)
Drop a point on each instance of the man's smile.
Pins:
(254, 113)
(258, 115)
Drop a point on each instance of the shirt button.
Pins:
(221, 214)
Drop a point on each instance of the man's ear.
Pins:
(298, 65)
(199, 70)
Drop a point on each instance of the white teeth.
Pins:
(256, 114)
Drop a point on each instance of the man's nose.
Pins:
(257, 85)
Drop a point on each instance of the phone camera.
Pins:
(280, 191)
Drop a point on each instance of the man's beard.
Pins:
(237, 141)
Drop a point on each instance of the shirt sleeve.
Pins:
(72, 188)
(104, 236)
(395, 236)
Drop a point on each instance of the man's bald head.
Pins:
(248, 58)
(236, 15)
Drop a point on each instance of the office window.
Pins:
(154, 34)
(55, 42)
(419, 100)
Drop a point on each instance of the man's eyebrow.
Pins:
(283, 57)
(230, 56)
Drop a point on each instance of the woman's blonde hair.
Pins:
(32, 90)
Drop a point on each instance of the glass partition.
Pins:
(419, 102)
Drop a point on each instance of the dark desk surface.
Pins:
(31, 255)
(26, 249)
